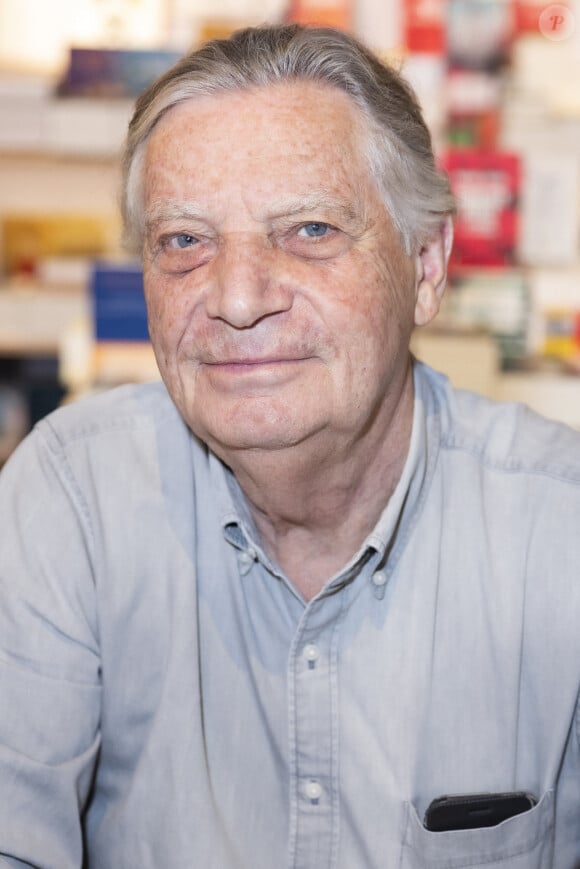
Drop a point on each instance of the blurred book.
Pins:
(555, 328)
(424, 26)
(487, 187)
(497, 300)
(119, 312)
(479, 33)
(33, 242)
(101, 72)
(474, 100)
(121, 350)
(562, 333)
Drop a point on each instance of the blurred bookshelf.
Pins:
(500, 95)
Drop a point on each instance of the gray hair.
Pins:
(399, 150)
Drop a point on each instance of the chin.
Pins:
(253, 423)
(226, 442)
(225, 436)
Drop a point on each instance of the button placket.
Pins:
(314, 735)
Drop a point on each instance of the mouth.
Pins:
(250, 362)
(254, 371)
(255, 362)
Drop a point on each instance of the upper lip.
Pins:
(256, 360)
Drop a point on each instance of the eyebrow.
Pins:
(163, 212)
(312, 202)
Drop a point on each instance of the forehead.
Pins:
(291, 132)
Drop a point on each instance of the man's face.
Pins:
(280, 299)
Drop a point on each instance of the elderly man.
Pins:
(266, 613)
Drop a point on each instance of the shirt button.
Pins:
(313, 791)
(312, 654)
(246, 560)
(379, 578)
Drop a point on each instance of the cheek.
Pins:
(376, 320)
(167, 310)
(392, 298)
(369, 305)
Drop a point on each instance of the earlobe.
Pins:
(432, 273)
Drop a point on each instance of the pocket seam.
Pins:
(546, 823)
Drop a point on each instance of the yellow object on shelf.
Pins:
(29, 238)
(562, 333)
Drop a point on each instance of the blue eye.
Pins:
(314, 230)
(183, 241)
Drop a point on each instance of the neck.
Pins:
(314, 503)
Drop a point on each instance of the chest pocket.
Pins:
(522, 842)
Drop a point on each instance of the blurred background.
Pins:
(499, 81)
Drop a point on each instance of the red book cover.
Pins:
(425, 25)
(486, 185)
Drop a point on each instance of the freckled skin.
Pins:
(239, 157)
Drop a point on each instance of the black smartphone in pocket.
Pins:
(473, 811)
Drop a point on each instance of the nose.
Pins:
(247, 284)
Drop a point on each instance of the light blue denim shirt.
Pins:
(163, 681)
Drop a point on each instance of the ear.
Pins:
(432, 273)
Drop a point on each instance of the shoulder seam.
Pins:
(93, 429)
(58, 448)
(513, 466)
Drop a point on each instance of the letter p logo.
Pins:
(557, 22)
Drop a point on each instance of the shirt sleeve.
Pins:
(50, 691)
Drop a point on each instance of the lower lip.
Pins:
(268, 370)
